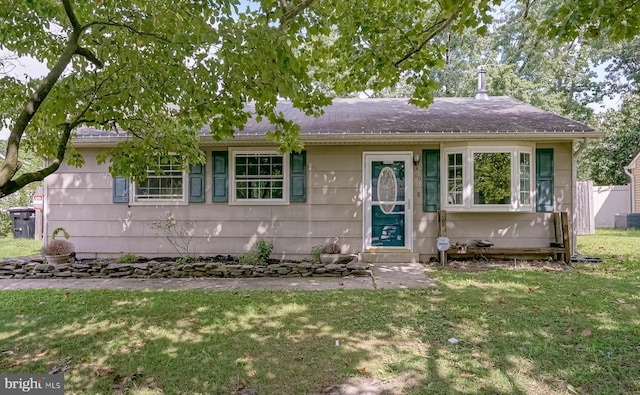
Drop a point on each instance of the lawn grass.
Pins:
(518, 332)
(10, 247)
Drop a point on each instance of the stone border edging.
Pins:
(36, 267)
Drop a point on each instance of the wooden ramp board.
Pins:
(470, 252)
(561, 249)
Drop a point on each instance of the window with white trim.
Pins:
(166, 185)
(260, 176)
(481, 178)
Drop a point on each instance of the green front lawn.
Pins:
(10, 247)
(518, 332)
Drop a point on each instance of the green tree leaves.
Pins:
(603, 161)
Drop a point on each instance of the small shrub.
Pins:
(58, 247)
(127, 258)
(250, 258)
(178, 235)
(183, 260)
(315, 254)
(264, 249)
(6, 226)
(333, 248)
(259, 255)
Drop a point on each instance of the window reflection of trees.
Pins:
(492, 177)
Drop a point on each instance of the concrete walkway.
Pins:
(383, 276)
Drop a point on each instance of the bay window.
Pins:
(482, 178)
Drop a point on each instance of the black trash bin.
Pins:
(23, 220)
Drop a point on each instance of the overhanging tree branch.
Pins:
(71, 15)
(125, 26)
(90, 57)
(11, 164)
(289, 14)
(436, 29)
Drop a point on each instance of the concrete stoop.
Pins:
(389, 257)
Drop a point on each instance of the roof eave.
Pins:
(368, 138)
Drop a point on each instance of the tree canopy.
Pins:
(158, 73)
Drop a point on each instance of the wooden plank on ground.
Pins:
(557, 227)
(442, 223)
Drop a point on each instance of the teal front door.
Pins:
(388, 201)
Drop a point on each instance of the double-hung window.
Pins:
(259, 177)
(168, 184)
(482, 178)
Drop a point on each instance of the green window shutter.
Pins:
(430, 180)
(298, 177)
(220, 173)
(544, 179)
(120, 190)
(196, 183)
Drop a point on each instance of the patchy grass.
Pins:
(519, 332)
(10, 247)
(620, 250)
(609, 242)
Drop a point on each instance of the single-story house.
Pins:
(374, 173)
(633, 170)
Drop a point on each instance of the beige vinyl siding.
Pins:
(80, 200)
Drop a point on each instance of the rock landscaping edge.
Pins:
(37, 267)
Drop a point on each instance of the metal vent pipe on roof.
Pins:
(481, 93)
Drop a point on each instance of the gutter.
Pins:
(367, 138)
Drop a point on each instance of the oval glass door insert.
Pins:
(387, 190)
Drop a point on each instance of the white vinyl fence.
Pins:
(597, 206)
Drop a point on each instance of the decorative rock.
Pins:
(357, 265)
(226, 267)
(118, 266)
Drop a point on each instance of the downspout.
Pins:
(574, 186)
(632, 189)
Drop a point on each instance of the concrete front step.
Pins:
(390, 257)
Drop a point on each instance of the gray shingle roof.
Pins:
(357, 117)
